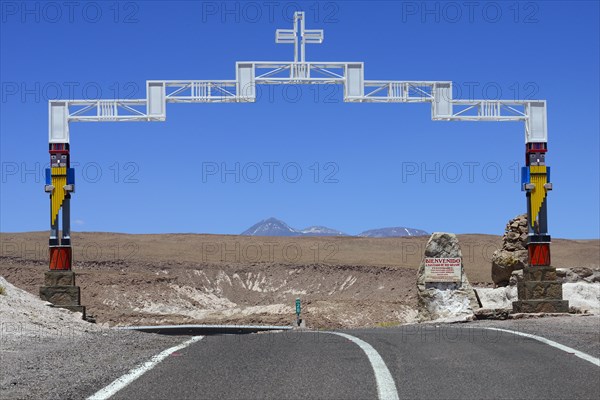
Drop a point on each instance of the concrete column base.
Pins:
(60, 290)
(538, 274)
(61, 295)
(59, 278)
(539, 291)
(541, 306)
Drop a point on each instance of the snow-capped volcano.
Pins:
(275, 227)
(398, 231)
(271, 227)
(318, 230)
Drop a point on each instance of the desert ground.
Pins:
(195, 278)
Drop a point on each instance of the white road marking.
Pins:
(577, 353)
(138, 371)
(386, 388)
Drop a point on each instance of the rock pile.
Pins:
(578, 274)
(513, 254)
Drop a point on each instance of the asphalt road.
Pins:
(426, 362)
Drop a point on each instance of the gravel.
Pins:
(23, 314)
(72, 366)
(51, 353)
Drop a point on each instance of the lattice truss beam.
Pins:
(253, 73)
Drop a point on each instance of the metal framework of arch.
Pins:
(60, 182)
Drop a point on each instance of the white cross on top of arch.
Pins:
(290, 36)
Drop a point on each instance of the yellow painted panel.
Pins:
(538, 177)
(59, 180)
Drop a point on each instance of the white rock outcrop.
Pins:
(444, 301)
(25, 315)
(582, 296)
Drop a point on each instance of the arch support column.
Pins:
(59, 281)
(539, 291)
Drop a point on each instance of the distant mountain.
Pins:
(271, 227)
(321, 231)
(398, 231)
(275, 227)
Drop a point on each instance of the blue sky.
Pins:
(362, 166)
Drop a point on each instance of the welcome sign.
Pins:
(443, 269)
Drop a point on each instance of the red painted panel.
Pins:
(539, 254)
(60, 257)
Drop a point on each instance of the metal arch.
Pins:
(60, 182)
(252, 73)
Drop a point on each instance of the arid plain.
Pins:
(194, 278)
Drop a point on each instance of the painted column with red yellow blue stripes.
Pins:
(60, 183)
(536, 183)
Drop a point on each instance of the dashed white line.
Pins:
(138, 371)
(576, 353)
(386, 388)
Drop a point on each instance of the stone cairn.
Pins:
(513, 254)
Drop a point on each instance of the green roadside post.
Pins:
(298, 311)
